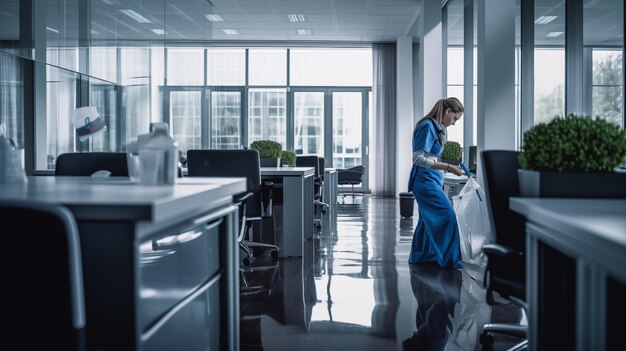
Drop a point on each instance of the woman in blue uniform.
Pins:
(436, 238)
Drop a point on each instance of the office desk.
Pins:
(159, 262)
(576, 272)
(329, 195)
(297, 217)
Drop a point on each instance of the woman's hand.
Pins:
(456, 170)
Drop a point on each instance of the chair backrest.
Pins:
(86, 163)
(309, 161)
(322, 167)
(229, 163)
(501, 183)
(352, 175)
(40, 315)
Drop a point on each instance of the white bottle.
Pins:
(161, 139)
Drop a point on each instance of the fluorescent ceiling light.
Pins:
(304, 31)
(554, 34)
(214, 17)
(230, 31)
(52, 30)
(297, 17)
(134, 15)
(158, 31)
(94, 32)
(107, 2)
(545, 19)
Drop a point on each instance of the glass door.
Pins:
(349, 120)
(182, 111)
(332, 122)
(308, 125)
(226, 120)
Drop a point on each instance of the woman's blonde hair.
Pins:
(438, 110)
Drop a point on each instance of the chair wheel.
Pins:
(486, 339)
(246, 261)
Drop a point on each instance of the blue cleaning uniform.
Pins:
(436, 237)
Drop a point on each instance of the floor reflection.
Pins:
(437, 292)
(353, 288)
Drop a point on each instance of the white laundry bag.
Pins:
(472, 214)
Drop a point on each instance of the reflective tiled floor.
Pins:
(354, 290)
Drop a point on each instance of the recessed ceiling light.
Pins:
(134, 15)
(545, 19)
(304, 31)
(297, 17)
(230, 31)
(52, 30)
(214, 17)
(554, 34)
(158, 31)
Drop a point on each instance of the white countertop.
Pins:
(118, 198)
(287, 171)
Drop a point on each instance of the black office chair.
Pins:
(505, 271)
(87, 163)
(351, 176)
(40, 315)
(315, 162)
(252, 209)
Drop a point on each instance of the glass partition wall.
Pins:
(138, 64)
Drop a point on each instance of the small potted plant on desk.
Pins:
(269, 151)
(451, 153)
(575, 156)
(288, 158)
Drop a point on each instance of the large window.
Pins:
(225, 119)
(268, 66)
(549, 83)
(309, 123)
(607, 85)
(347, 132)
(603, 39)
(185, 66)
(455, 61)
(549, 60)
(331, 67)
(226, 67)
(267, 115)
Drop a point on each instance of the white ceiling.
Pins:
(266, 20)
(340, 20)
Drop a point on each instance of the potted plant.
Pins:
(288, 158)
(269, 152)
(574, 156)
(451, 153)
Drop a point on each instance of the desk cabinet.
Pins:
(160, 264)
(575, 277)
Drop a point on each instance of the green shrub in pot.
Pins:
(451, 152)
(288, 158)
(267, 148)
(573, 157)
(573, 144)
